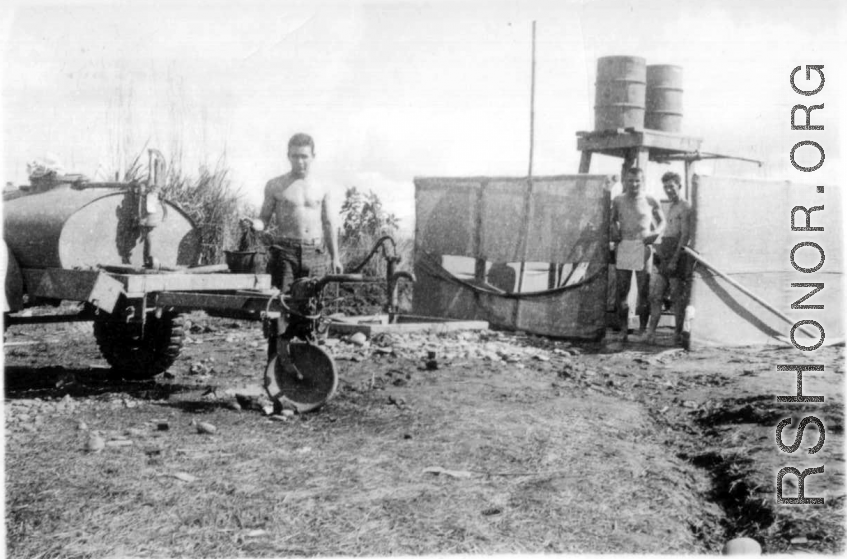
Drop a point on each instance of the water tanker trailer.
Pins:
(131, 259)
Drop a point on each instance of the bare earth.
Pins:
(503, 443)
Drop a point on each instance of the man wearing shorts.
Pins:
(674, 263)
(306, 233)
(637, 221)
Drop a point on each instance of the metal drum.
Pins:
(620, 93)
(68, 227)
(664, 98)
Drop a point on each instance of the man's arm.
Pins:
(268, 206)
(658, 220)
(685, 235)
(331, 233)
(614, 227)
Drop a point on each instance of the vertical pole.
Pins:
(689, 175)
(529, 174)
(642, 156)
(479, 264)
(532, 106)
(585, 162)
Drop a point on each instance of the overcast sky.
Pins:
(393, 90)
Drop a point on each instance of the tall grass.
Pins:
(210, 201)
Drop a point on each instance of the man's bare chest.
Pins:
(635, 209)
(300, 195)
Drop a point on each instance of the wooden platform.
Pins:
(637, 148)
(619, 143)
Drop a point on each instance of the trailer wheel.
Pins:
(136, 356)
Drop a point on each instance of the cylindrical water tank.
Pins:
(664, 98)
(68, 227)
(620, 93)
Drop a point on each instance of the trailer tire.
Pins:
(134, 356)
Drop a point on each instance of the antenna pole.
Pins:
(532, 105)
(527, 202)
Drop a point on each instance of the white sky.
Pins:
(393, 90)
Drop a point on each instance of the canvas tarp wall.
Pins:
(743, 228)
(561, 220)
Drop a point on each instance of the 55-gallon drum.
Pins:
(664, 98)
(69, 227)
(620, 93)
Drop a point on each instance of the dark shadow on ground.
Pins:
(56, 382)
(765, 410)
(201, 406)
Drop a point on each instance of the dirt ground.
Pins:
(501, 443)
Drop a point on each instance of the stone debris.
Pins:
(742, 546)
(205, 428)
(451, 347)
(359, 339)
(182, 476)
(200, 368)
(95, 443)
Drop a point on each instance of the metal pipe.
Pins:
(699, 155)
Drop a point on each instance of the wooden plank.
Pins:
(431, 326)
(136, 285)
(642, 138)
(368, 319)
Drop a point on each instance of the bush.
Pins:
(364, 221)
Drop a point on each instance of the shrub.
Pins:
(364, 221)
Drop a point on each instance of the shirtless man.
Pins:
(637, 221)
(305, 224)
(673, 262)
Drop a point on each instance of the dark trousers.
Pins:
(291, 260)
